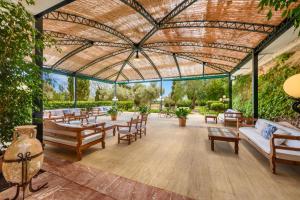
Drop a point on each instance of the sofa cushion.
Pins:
(253, 135)
(268, 131)
(72, 141)
(67, 111)
(57, 113)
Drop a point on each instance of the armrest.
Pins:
(288, 137)
(125, 126)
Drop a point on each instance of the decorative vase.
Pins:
(24, 147)
(182, 121)
(113, 117)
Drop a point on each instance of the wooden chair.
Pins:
(128, 132)
(142, 127)
(231, 118)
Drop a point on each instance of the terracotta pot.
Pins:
(113, 117)
(182, 122)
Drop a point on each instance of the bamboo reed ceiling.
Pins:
(127, 40)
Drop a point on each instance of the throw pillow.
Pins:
(268, 131)
(280, 132)
(260, 126)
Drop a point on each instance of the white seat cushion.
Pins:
(264, 144)
(71, 141)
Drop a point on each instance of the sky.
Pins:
(63, 80)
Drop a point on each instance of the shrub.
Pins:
(208, 103)
(169, 103)
(184, 103)
(122, 105)
(201, 103)
(182, 112)
(217, 106)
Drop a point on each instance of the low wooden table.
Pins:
(214, 117)
(223, 134)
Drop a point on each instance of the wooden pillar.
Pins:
(37, 110)
(161, 93)
(229, 91)
(75, 90)
(255, 84)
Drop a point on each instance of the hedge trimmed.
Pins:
(122, 105)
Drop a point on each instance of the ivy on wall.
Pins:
(274, 104)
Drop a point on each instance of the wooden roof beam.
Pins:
(107, 68)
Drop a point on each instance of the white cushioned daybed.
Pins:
(73, 136)
(281, 145)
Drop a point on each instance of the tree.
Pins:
(179, 91)
(192, 91)
(83, 89)
(151, 93)
(19, 75)
(289, 9)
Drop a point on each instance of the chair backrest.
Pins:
(133, 123)
(144, 119)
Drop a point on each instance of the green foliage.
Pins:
(289, 9)
(209, 103)
(19, 75)
(273, 102)
(168, 102)
(143, 109)
(182, 112)
(203, 110)
(217, 106)
(83, 89)
(186, 103)
(113, 111)
(122, 105)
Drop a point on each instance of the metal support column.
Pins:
(229, 91)
(37, 111)
(161, 93)
(255, 84)
(75, 90)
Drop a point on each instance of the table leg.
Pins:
(236, 147)
(212, 145)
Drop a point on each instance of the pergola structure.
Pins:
(125, 41)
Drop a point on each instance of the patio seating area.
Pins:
(149, 100)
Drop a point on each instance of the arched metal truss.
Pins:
(218, 67)
(107, 68)
(143, 47)
(72, 53)
(178, 9)
(66, 17)
(211, 56)
(152, 63)
(140, 9)
(136, 70)
(124, 64)
(101, 59)
(242, 26)
(177, 65)
(230, 47)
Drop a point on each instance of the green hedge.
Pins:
(208, 103)
(122, 105)
(217, 106)
(184, 103)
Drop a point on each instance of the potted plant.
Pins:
(143, 110)
(182, 114)
(113, 112)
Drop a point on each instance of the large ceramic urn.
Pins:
(24, 147)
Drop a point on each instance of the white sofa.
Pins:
(283, 146)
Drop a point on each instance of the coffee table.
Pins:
(214, 117)
(223, 134)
